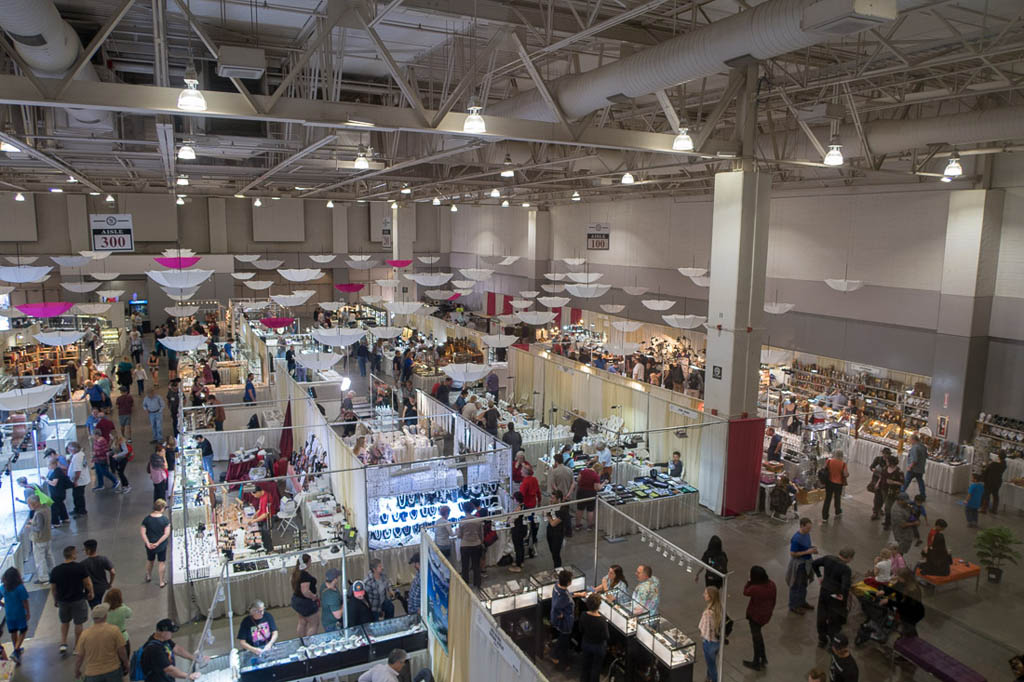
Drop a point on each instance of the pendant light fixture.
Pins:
(627, 178)
(683, 142)
(190, 98)
(330, 203)
(474, 123)
(526, 204)
(406, 190)
(436, 202)
(56, 190)
(495, 194)
(182, 181)
(110, 199)
(508, 171)
(834, 157)
(454, 209)
(72, 179)
(361, 162)
(953, 168)
(394, 205)
(181, 200)
(576, 196)
(257, 203)
(186, 153)
(504, 204)
(19, 197)
(6, 146)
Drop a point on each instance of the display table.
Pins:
(624, 471)
(1014, 468)
(1011, 498)
(677, 510)
(947, 478)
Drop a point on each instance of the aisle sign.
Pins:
(598, 236)
(112, 231)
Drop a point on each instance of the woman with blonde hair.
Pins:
(710, 627)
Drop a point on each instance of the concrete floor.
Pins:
(980, 628)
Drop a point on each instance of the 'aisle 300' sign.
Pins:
(112, 231)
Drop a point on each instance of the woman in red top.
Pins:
(587, 485)
(761, 591)
(530, 488)
(517, 468)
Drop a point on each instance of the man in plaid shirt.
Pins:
(379, 592)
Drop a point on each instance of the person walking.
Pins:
(715, 557)
(78, 473)
(838, 474)
(903, 523)
(710, 627)
(594, 641)
(917, 458)
(101, 463)
(835, 591)
(154, 406)
(155, 530)
(58, 484)
(71, 588)
(992, 477)
(159, 652)
(761, 591)
(219, 414)
(17, 610)
(331, 610)
(842, 667)
(100, 650)
(972, 503)
(125, 404)
(174, 402)
(123, 371)
(40, 532)
(558, 521)
(892, 480)
(171, 458)
(562, 617)
(798, 572)
(100, 569)
(519, 533)
(304, 601)
(471, 549)
(154, 368)
(139, 374)
(249, 396)
(119, 615)
(157, 470)
(877, 485)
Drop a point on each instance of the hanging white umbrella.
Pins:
(243, 275)
(659, 304)
(498, 340)
(553, 301)
(96, 255)
(20, 274)
(463, 283)
(255, 306)
(778, 308)
(332, 306)
(466, 372)
(322, 258)
(92, 308)
(359, 257)
(684, 321)
(555, 276)
(105, 276)
(183, 344)
(361, 264)
(301, 274)
(438, 294)
(574, 261)
(585, 277)
(844, 285)
(508, 320)
(178, 253)
(476, 274)
(520, 303)
(612, 308)
(181, 310)
(529, 293)
(293, 299)
(387, 283)
(179, 279)
(692, 272)
(22, 260)
(429, 279)
(509, 260)
(635, 291)
(71, 261)
(371, 299)
(110, 293)
(181, 294)
(59, 338)
(247, 257)
(463, 292)
(625, 348)
(338, 336)
(259, 284)
(428, 310)
(553, 288)
(268, 263)
(587, 290)
(627, 325)
(11, 312)
(428, 260)
(536, 318)
(81, 287)
(23, 399)
(40, 280)
(403, 307)
(703, 281)
(317, 361)
(385, 332)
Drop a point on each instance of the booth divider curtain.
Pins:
(287, 443)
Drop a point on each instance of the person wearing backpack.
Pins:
(154, 661)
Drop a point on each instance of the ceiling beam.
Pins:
(736, 81)
(95, 43)
(306, 151)
(408, 89)
(165, 138)
(541, 86)
(50, 161)
(468, 78)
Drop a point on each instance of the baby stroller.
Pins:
(780, 499)
(880, 619)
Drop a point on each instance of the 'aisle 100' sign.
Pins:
(112, 231)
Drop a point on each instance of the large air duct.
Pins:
(770, 29)
(50, 47)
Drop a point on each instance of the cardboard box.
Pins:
(810, 496)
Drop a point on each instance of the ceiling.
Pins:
(938, 58)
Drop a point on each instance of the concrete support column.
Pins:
(217, 208)
(973, 233)
(538, 244)
(739, 253)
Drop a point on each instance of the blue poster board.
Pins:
(439, 577)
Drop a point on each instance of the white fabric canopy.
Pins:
(536, 318)
(438, 294)
(837, 284)
(554, 276)
(476, 274)
(96, 255)
(105, 276)
(371, 299)
(553, 301)
(520, 303)
(178, 253)
(658, 304)
(361, 264)
(179, 279)
(702, 281)
(778, 308)
(322, 258)
(243, 275)
(587, 290)
(22, 260)
(181, 294)
(626, 348)
(574, 261)
(692, 272)
(428, 310)
(81, 287)
(5, 289)
(293, 299)
(255, 306)
(387, 283)
(71, 261)
(428, 260)
(612, 308)
(385, 332)
(19, 274)
(181, 310)
(259, 284)
(585, 277)
(247, 257)
(338, 336)
(21, 399)
(529, 293)
(403, 307)
(183, 344)
(268, 264)
(92, 308)
(58, 338)
(316, 360)
(301, 274)
(627, 325)
(463, 283)
(498, 340)
(359, 256)
(553, 288)
(684, 321)
(466, 372)
(508, 320)
(509, 260)
(635, 291)
(429, 279)
(109, 293)
(333, 306)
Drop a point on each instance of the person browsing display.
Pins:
(257, 632)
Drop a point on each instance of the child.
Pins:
(918, 513)
(940, 525)
(973, 501)
(883, 566)
(896, 560)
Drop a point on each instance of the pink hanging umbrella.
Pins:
(399, 263)
(178, 263)
(454, 296)
(349, 288)
(277, 322)
(51, 309)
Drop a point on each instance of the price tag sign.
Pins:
(598, 237)
(112, 232)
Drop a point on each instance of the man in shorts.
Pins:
(72, 589)
(125, 404)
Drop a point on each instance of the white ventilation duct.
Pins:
(50, 47)
(768, 30)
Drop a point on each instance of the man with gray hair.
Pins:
(40, 534)
(386, 672)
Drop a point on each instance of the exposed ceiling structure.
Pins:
(574, 93)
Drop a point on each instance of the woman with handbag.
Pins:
(305, 603)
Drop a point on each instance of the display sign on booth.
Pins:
(112, 231)
(439, 578)
(598, 236)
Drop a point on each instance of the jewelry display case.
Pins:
(404, 632)
(668, 643)
(510, 595)
(545, 581)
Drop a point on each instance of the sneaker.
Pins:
(16, 657)
(838, 514)
(63, 649)
(515, 569)
(54, 525)
(127, 489)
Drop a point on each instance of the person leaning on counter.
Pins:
(257, 632)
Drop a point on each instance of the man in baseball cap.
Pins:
(330, 601)
(158, 655)
(358, 607)
(842, 667)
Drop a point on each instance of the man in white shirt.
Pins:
(79, 475)
(386, 672)
(638, 371)
(604, 455)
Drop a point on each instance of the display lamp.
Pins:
(72, 179)
(394, 205)
(257, 203)
(190, 98)
(834, 157)
(407, 190)
(181, 200)
(508, 171)
(474, 122)
(56, 190)
(682, 142)
(110, 199)
(186, 153)
(495, 194)
(953, 168)
(526, 204)
(19, 197)
(627, 178)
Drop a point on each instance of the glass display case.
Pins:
(626, 614)
(510, 595)
(668, 643)
(404, 632)
(545, 581)
(284, 661)
(329, 651)
(223, 668)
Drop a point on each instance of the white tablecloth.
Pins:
(1014, 469)
(670, 511)
(1011, 498)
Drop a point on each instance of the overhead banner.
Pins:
(111, 232)
(439, 578)
(598, 236)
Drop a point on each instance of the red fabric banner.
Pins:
(491, 303)
(743, 465)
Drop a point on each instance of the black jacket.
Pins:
(358, 611)
(837, 575)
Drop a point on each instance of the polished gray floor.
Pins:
(980, 628)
